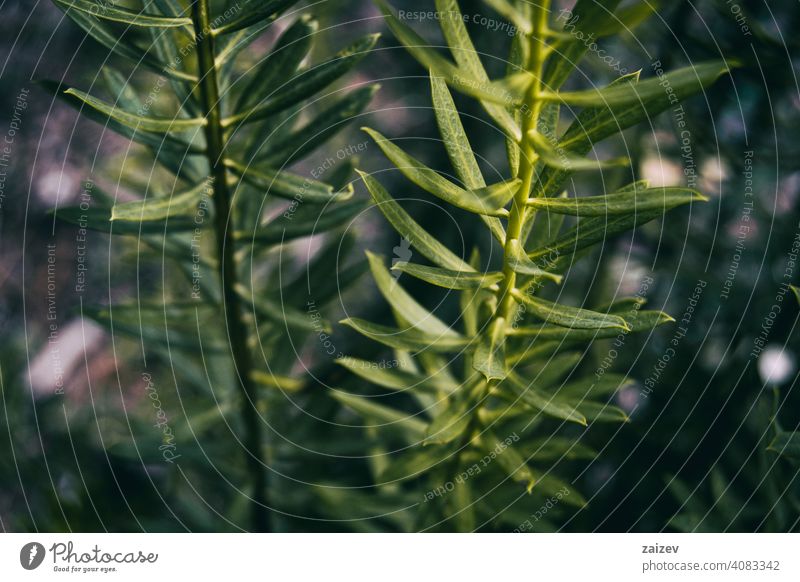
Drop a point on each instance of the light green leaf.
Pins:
(682, 82)
(547, 403)
(520, 263)
(409, 229)
(450, 279)
(507, 91)
(510, 461)
(99, 219)
(406, 339)
(109, 11)
(458, 147)
(629, 202)
(101, 32)
(283, 383)
(490, 358)
(556, 156)
(598, 412)
(287, 185)
(489, 200)
(415, 314)
(566, 316)
(512, 14)
(133, 121)
(150, 209)
(463, 51)
(638, 321)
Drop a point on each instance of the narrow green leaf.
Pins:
(254, 13)
(628, 18)
(134, 121)
(109, 11)
(510, 460)
(302, 224)
(490, 358)
(566, 316)
(639, 321)
(287, 185)
(786, 444)
(450, 279)
(458, 147)
(796, 291)
(512, 14)
(629, 202)
(410, 230)
(99, 219)
(554, 488)
(390, 418)
(406, 339)
(415, 463)
(282, 61)
(316, 132)
(101, 32)
(682, 82)
(489, 200)
(159, 143)
(151, 209)
(556, 156)
(520, 263)
(306, 83)
(591, 231)
(417, 316)
(593, 387)
(557, 449)
(463, 51)
(542, 401)
(283, 383)
(397, 378)
(449, 425)
(598, 412)
(504, 92)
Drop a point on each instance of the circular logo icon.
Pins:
(31, 555)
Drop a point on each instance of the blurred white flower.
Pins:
(776, 365)
(661, 172)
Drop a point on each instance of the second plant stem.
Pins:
(228, 272)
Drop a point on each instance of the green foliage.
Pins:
(513, 359)
(225, 137)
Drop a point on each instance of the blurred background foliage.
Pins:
(696, 454)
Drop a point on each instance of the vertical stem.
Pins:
(527, 154)
(232, 305)
(517, 215)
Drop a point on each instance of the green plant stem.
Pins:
(232, 305)
(517, 216)
(527, 166)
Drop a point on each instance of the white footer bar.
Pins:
(401, 558)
